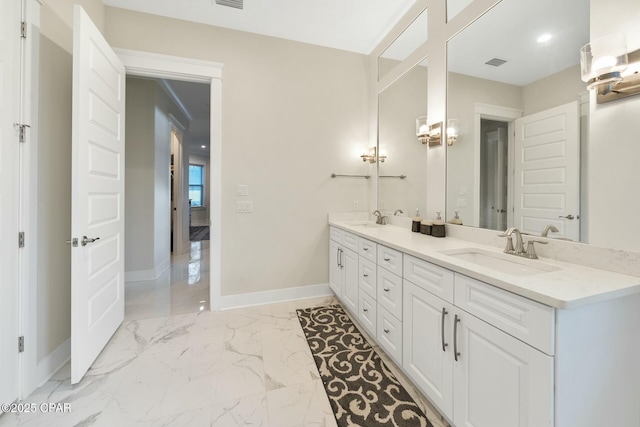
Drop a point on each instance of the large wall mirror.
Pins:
(407, 42)
(520, 112)
(402, 163)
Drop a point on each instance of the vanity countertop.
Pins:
(570, 286)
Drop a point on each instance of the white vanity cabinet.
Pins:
(343, 268)
(475, 373)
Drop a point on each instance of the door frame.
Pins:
(178, 244)
(491, 112)
(146, 64)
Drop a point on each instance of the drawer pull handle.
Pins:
(386, 331)
(365, 275)
(387, 259)
(386, 289)
(365, 249)
(365, 309)
(444, 344)
(456, 353)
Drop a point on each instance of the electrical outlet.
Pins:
(355, 205)
(242, 190)
(244, 207)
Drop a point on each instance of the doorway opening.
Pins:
(168, 138)
(494, 174)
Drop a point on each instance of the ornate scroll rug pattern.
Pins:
(361, 388)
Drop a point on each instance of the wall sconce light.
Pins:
(452, 131)
(370, 156)
(428, 134)
(605, 66)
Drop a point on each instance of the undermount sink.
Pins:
(366, 224)
(504, 263)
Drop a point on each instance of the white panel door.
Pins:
(427, 351)
(97, 281)
(9, 161)
(498, 381)
(547, 171)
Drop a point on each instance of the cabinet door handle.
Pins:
(365, 249)
(387, 259)
(386, 331)
(386, 289)
(444, 344)
(365, 275)
(341, 263)
(456, 353)
(338, 257)
(365, 309)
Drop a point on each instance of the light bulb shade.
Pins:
(422, 129)
(603, 60)
(452, 131)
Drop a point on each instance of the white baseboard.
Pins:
(52, 363)
(277, 295)
(141, 275)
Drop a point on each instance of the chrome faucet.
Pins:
(397, 211)
(519, 250)
(549, 228)
(381, 219)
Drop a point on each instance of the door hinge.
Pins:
(22, 131)
(21, 239)
(23, 30)
(21, 344)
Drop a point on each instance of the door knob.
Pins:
(86, 240)
(569, 217)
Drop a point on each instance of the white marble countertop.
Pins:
(569, 286)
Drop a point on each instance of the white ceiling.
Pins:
(509, 31)
(353, 25)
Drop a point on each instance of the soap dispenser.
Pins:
(456, 219)
(415, 224)
(437, 229)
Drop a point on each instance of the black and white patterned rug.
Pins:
(361, 388)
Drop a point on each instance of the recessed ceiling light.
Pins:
(544, 38)
(203, 146)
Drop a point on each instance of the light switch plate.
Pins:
(244, 207)
(242, 190)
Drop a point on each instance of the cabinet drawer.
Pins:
(367, 277)
(390, 259)
(350, 241)
(367, 249)
(367, 313)
(390, 292)
(527, 320)
(335, 234)
(390, 335)
(430, 277)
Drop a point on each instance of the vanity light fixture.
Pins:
(428, 134)
(452, 131)
(609, 69)
(370, 156)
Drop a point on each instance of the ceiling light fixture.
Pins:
(544, 38)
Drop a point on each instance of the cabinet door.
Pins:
(389, 334)
(427, 348)
(367, 313)
(335, 271)
(499, 381)
(350, 282)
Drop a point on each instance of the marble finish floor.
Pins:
(182, 288)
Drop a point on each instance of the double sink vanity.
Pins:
(494, 340)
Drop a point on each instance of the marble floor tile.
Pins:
(301, 405)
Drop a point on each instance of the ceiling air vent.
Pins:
(496, 62)
(231, 3)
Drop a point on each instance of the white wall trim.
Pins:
(274, 296)
(154, 65)
(52, 363)
(164, 85)
(141, 275)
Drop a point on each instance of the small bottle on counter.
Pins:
(415, 224)
(425, 227)
(456, 219)
(437, 229)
